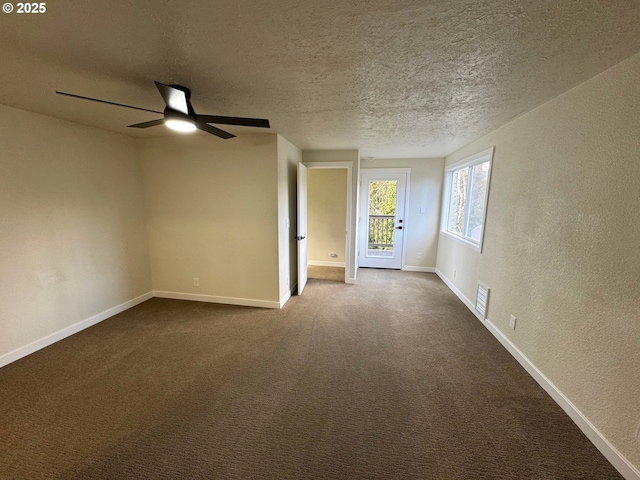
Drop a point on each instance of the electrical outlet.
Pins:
(333, 254)
(512, 322)
(419, 256)
(454, 273)
(196, 282)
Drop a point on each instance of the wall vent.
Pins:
(482, 300)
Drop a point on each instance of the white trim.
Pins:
(352, 280)
(611, 453)
(459, 294)
(476, 159)
(349, 241)
(409, 268)
(462, 240)
(386, 170)
(286, 297)
(471, 160)
(32, 347)
(348, 164)
(245, 302)
(405, 235)
(326, 264)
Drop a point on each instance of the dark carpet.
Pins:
(392, 378)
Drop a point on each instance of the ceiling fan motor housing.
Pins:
(171, 114)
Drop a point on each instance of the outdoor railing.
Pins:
(381, 231)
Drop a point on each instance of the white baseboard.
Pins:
(459, 294)
(326, 264)
(245, 302)
(619, 461)
(409, 268)
(352, 280)
(287, 296)
(32, 347)
(626, 469)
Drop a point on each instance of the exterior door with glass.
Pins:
(382, 219)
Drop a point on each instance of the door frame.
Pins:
(349, 237)
(301, 227)
(391, 170)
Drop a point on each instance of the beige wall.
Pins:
(561, 246)
(212, 210)
(327, 214)
(289, 156)
(352, 157)
(425, 190)
(73, 241)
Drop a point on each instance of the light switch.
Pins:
(423, 210)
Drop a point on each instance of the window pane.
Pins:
(479, 176)
(382, 197)
(382, 211)
(455, 221)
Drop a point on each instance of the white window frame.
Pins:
(478, 158)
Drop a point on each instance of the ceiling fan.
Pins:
(179, 114)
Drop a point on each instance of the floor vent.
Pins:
(482, 300)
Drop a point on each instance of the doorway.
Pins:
(302, 233)
(326, 223)
(383, 218)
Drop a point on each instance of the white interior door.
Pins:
(302, 227)
(382, 220)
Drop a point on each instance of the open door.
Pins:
(302, 227)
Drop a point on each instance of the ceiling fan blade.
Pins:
(108, 103)
(246, 122)
(175, 99)
(214, 131)
(151, 123)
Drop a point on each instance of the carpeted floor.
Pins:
(392, 378)
(335, 274)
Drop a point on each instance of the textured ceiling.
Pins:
(402, 78)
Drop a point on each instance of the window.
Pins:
(465, 199)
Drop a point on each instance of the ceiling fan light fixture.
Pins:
(179, 125)
(179, 115)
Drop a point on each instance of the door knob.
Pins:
(399, 228)
(300, 238)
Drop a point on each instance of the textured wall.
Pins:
(425, 191)
(212, 213)
(561, 246)
(73, 240)
(327, 214)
